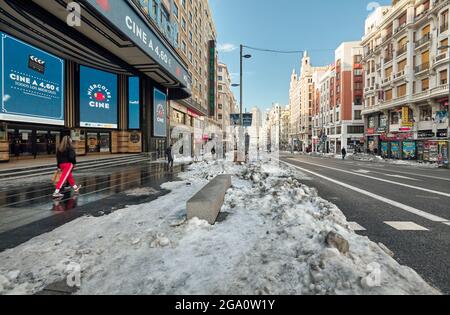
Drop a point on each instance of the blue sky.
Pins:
(316, 25)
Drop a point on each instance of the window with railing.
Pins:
(425, 84)
(443, 77)
(444, 22)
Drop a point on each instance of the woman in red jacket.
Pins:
(66, 158)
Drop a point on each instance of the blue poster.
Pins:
(385, 149)
(98, 99)
(395, 150)
(134, 104)
(159, 114)
(409, 150)
(32, 83)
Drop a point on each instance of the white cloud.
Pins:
(226, 47)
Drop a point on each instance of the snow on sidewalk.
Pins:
(271, 241)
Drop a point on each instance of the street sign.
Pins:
(247, 119)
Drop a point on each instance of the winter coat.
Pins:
(68, 156)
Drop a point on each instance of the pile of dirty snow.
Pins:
(275, 236)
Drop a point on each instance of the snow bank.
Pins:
(375, 159)
(271, 240)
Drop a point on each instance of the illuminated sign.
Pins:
(32, 83)
(159, 114)
(134, 104)
(98, 99)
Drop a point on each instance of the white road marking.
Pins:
(363, 171)
(406, 226)
(378, 179)
(356, 227)
(381, 168)
(428, 197)
(396, 204)
(447, 223)
(402, 177)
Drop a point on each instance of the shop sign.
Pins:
(397, 136)
(135, 137)
(124, 17)
(191, 113)
(406, 121)
(442, 133)
(381, 130)
(370, 131)
(443, 101)
(426, 134)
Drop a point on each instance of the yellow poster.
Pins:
(406, 121)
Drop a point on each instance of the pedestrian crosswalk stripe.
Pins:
(356, 227)
(406, 226)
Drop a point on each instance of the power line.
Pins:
(286, 51)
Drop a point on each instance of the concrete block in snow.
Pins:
(206, 204)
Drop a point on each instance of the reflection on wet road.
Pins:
(25, 201)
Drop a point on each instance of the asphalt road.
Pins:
(406, 208)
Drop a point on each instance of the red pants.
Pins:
(66, 175)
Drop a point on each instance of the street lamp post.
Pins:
(242, 56)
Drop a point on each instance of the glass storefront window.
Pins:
(395, 118)
(178, 118)
(425, 113)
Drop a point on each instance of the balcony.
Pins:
(421, 15)
(386, 80)
(440, 59)
(424, 40)
(386, 38)
(438, 4)
(400, 28)
(399, 75)
(441, 90)
(422, 68)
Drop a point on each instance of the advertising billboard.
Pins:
(98, 99)
(409, 150)
(134, 104)
(31, 82)
(159, 114)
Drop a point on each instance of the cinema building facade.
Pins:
(106, 80)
